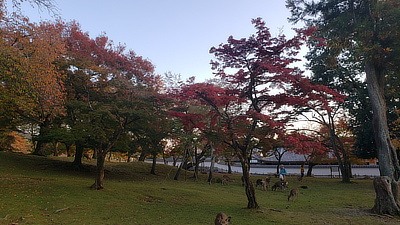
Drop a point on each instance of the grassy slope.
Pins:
(32, 189)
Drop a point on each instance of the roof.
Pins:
(287, 158)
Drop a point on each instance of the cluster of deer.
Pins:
(281, 185)
(223, 219)
(265, 183)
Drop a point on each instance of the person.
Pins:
(302, 170)
(282, 173)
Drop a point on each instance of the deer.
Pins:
(222, 219)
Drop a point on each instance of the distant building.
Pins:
(288, 158)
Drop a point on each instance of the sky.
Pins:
(175, 35)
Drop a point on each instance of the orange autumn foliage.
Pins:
(32, 83)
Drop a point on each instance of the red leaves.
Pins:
(258, 86)
(302, 144)
(101, 55)
(189, 120)
(261, 64)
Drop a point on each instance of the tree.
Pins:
(327, 120)
(307, 144)
(155, 128)
(363, 30)
(251, 113)
(34, 85)
(187, 131)
(107, 93)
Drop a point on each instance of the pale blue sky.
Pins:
(175, 35)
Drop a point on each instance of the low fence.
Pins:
(318, 171)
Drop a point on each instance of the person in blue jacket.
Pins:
(282, 173)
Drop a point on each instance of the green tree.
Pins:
(366, 32)
(107, 92)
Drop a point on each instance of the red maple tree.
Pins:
(260, 86)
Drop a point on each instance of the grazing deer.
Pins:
(294, 193)
(222, 219)
(226, 179)
(282, 185)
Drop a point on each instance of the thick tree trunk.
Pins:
(98, 183)
(40, 148)
(388, 162)
(248, 185)
(310, 167)
(384, 201)
(78, 155)
(41, 145)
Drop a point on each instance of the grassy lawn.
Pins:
(37, 190)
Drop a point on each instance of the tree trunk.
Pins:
(388, 162)
(310, 167)
(174, 159)
(164, 159)
(78, 155)
(94, 156)
(41, 144)
(196, 164)
(229, 165)
(210, 175)
(153, 166)
(343, 161)
(343, 166)
(184, 159)
(384, 201)
(55, 151)
(142, 157)
(129, 157)
(248, 185)
(101, 158)
(68, 147)
(40, 148)
(278, 156)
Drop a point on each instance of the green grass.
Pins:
(37, 190)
